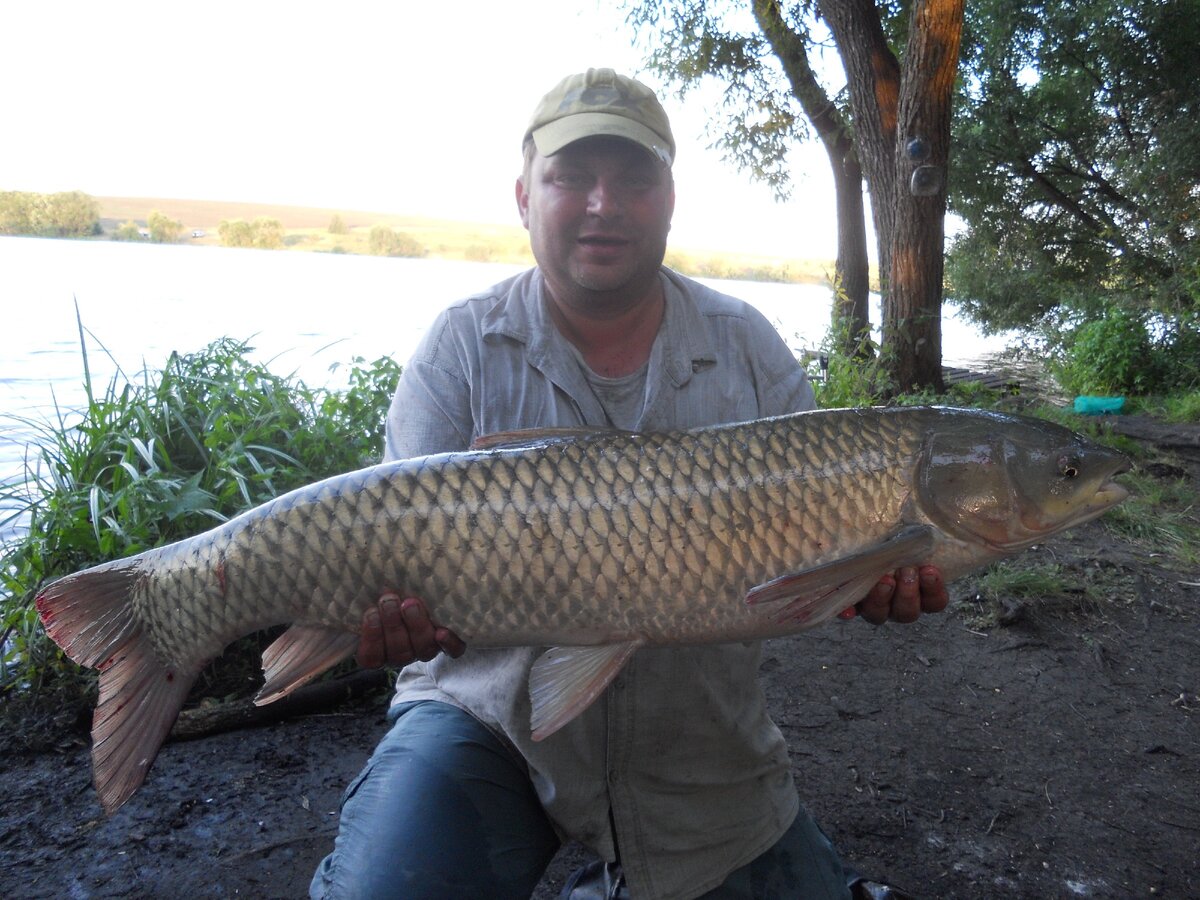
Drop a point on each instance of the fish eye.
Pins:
(1068, 466)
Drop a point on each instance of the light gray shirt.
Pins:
(679, 752)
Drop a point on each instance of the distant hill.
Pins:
(308, 228)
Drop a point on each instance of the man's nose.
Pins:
(603, 199)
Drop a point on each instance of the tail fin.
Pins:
(90, 615)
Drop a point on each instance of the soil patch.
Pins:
(1056, 755)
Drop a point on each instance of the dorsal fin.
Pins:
(533, 437)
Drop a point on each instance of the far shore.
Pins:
(348, 231)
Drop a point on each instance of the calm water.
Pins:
(303, 312)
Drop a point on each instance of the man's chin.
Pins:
(602, 279)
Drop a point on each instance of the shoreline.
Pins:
(329, 230)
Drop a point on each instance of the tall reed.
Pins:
(168, 454)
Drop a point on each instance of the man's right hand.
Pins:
(396, 632)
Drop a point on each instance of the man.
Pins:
(676, 771)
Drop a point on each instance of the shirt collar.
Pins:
(681, 348)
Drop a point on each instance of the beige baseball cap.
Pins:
(601, 102)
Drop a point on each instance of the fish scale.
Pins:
(599, 543)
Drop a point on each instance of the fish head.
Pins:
(1010, 481)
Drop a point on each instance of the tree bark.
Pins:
(851, 311)
(894, 106)
(913, 315)
(873, 76)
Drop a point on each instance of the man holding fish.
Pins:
(676, 777)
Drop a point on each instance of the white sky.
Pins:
(405, 107)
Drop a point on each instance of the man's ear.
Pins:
(522, 196)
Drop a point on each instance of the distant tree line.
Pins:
(263, 233)
(385, 241)
(159, 229)
(67, 214)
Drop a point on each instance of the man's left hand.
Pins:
(902, 597)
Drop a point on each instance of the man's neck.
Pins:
(616, 343)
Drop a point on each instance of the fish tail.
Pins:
(91, 616)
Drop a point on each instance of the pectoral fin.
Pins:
(567, 680)
(299, 655)
(817, 594)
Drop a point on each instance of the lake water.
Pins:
(303, 312)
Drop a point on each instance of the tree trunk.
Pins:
(851, 313)
(913, 317)
(852, 275)
(873, 76)
(902, 128)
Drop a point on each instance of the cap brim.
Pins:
(553, 136)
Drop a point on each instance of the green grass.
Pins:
(1001, 591)
(1160, 517)
(158, 458)
(1183, 409)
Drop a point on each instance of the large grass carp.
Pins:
(590, 543)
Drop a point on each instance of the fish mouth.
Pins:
(1109, 494)
(1106, 496)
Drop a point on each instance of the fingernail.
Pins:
(848, 613)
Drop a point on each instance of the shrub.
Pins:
(163, 230)
(147, 463)
(1126, 352)
(385, 241)
(127, 231)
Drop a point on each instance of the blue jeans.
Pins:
(443, 810)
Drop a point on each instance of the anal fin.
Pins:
(299, 655)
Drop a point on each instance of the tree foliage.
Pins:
(264, 233)
(163, 229)
(760, 53)
(66, 214)
(900, 62)
(385, 241)
(1078, 174)
(127, 231)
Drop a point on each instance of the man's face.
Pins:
(598, 213)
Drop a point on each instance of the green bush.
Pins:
(384, 241)
(263, 233)
(66, 214)
(1110, 355)
(147, 463)
(1125, 352)
(127, 231)
(844, 380)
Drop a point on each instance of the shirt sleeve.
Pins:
(783, 385)
(431, 409)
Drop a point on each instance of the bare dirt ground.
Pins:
(1053, 755)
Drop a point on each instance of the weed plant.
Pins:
(1160, 517)
(151, 461)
